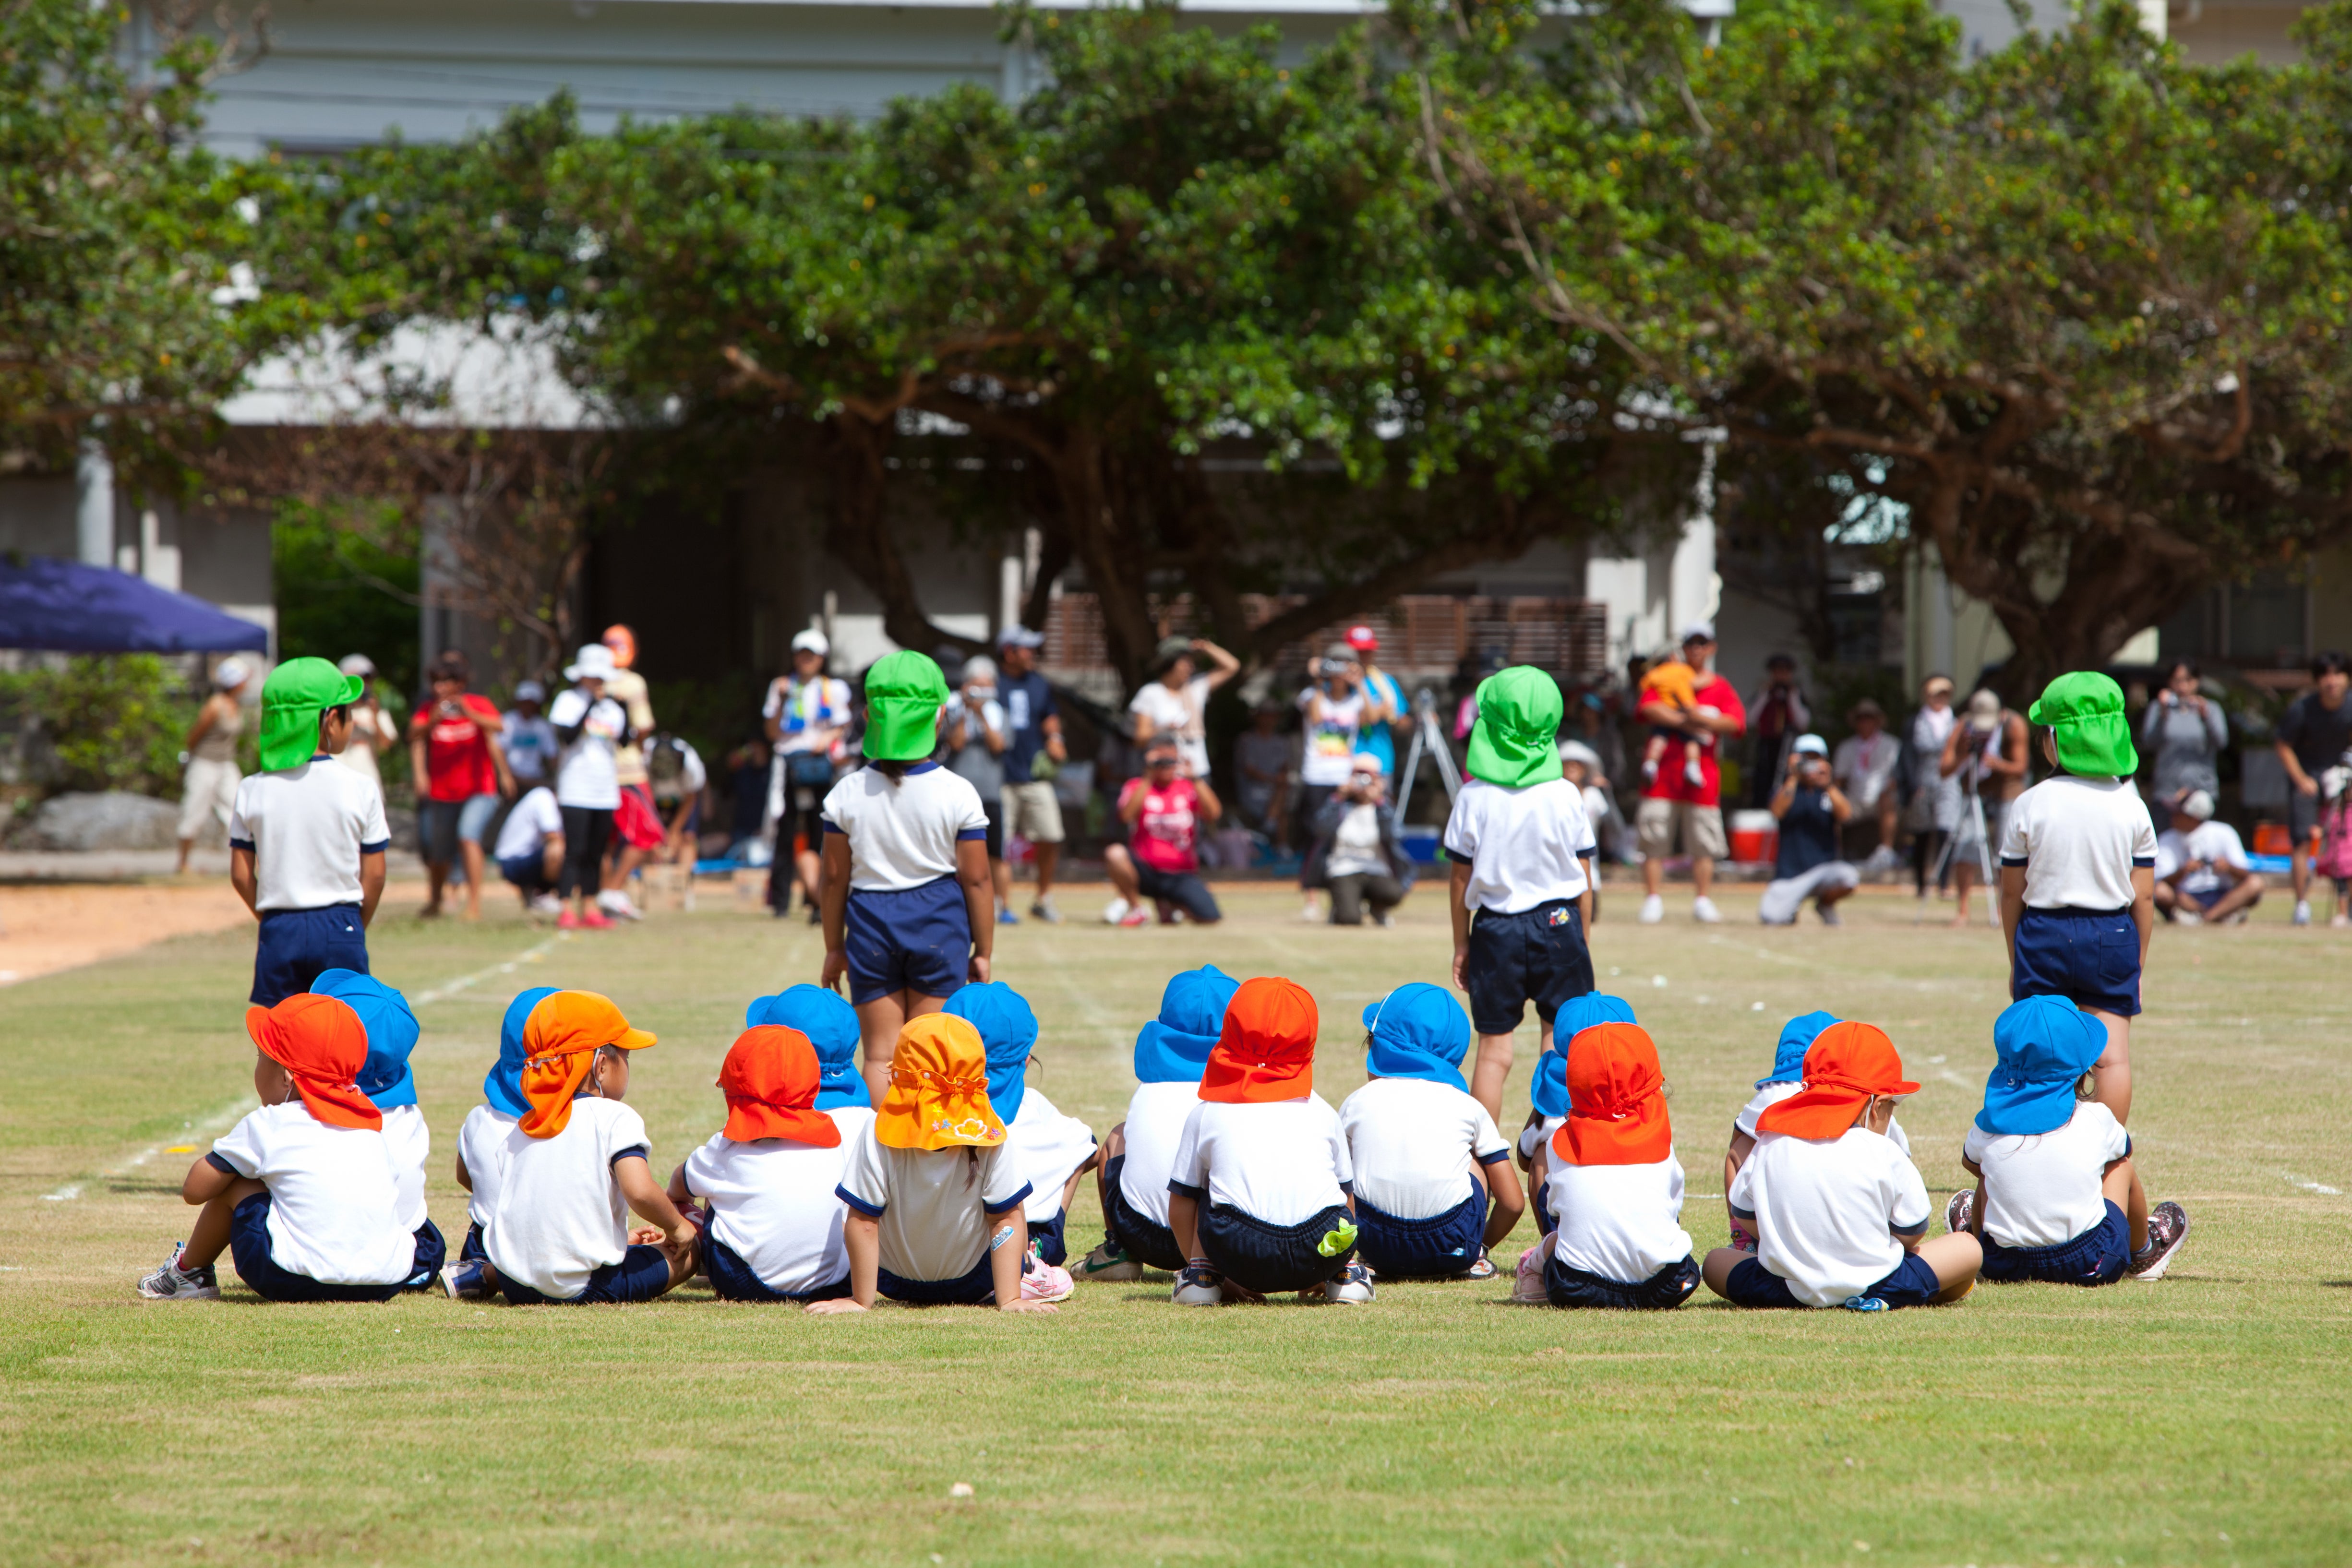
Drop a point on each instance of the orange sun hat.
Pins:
(938, 1097)
(1616, 1100)
(322, 1044)
(1265, 1052)
(559, 1047)
(1846, 1064)
(770, 1079)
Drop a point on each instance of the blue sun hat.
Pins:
(1174, 1047)
(1796, 1039)
(2045, 1045)
(392, 1031)
(831, 1025)
(502, 1085)
(1418, 1030)
(1549, 1090)
(1009, 1030)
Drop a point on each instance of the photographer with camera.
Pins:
(1357, 852)
(1986, 753)
(2185, 733)
(1811, 809)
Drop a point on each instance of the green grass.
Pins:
(2199, 1420)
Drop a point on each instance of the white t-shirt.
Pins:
(1621, 1222)
(2078, 839)
(308, 826)
(1863, 767)
(560, 1215)
(1156, 1115)
(334, 1194)
(1356, 847)
(529, 746)
(482, 1144)
(588, 773)
(1411, 1142)
(773, 1202)
(808, 719)
(526, 827)
(1283, 1163)
(1329, 753)
(903, 834)
(1522, 844)
(1178, 714)
(937, 1207)
(1826, 1210)
(2045, 1190)
(1773, 1094)
(2211, 843)
(411, 1143)
(1047, 1146)
(1536, 1136)
(685, 784)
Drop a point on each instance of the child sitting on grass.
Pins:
(2057, 1198)
(575, 1164)
(1614, 1235)
(773, 1230)
(934, 1202)
(1170, 1052)
(385, 1079)
(1258, 1196)
(1838, 1211)
(830, 1026)
(1787, 1077)
(1049, 1150)
(1433, 1184)
(1548, 1088)
(301, 1193)
(482, 1143)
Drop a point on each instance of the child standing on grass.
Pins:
(771, 1230)
(1522, 890)
(391, 1088)
(1548, 1087)
(1839, 1213)
(575, 1165)
(1170, 1052)
(482, 1142)
(909, 909)
(307, 842)
(1613, 1236)
(1258, 1198)
(2057, 1198)
(831, 1025)
(1433, 1184)
(1049, 1150)
(2078, 871)
(934, 1203)
(301, 1193)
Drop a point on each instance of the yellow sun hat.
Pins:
(938, 1097)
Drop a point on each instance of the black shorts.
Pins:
(2097, 1257)
(1441, 1247)
(1535, 956)
(250, 1250)
(1151, 1244)
(641, 1275)
(731, 1279)
(2302, 817)
(1268, 1258)
(1184, 889)
(1669, 1287)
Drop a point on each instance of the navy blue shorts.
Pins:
(1535, 956)
(1047, 1234)
(528, 872)
(1184, 889)
(919, 940)
(297, 946)
(1912, 1284)
(1670, 1287)
(971, 1291)
(1438, 1247)
(641, 1276)
(2090, 958)
(1268, 1258)
(1139, 1236)
(472, 1251)
(731, 1279)
(248, 1247)
(2096, 1257)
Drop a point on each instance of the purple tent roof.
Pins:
(67, 607)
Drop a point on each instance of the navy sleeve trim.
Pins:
(2139, 863)
(833, 827)
(1500, 1157)
(870, 1210)
(376, 848)
(971, 835)
(1197, 1194)
(1739, 1213)
(2017, 862)
(1016, 1201)
(219, 1163)
(1919, 1230)
(245, 844)
(921, 768)
(633, 1152)
(1349, 1187)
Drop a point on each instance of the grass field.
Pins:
(2197, 1420)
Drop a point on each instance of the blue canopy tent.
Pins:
(66, 606)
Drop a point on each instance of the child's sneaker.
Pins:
(1352, 1289)
(1484, 1269)
(1043, 1281)
(596, 920)
(1114, 911)
(463, 1281)
(1692, 772)
(2167, 1227)
(1004, 917)
(1109, 1264)
(1960, 1211)
(2187, 917)
(1042, 909)
(612, 901)
(1198, 1286)
(1866, 1304)
(173, 1284)
(1528, 1287)
(1742, 1239)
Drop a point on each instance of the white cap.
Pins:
(1577, 751)
(596, 662)
(356, 664)
(1699, 631)
(1019, 636)
(230, 673)
(530, 692)
(1808, 746)
(1984, 706)
(811, 642)
(2198, 804)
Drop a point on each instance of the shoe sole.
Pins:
(2155, 1270)
(1208, 1298)
(212, 1295)
(1117, 1274)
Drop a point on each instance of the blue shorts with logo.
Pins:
(1535, 956)
(2097, 1257)
(732, 1280)
(295, 945)
(1438, 1247)
(916, 939)
(643, 1275)
(1911, 1284)
(1140, 1236)
(1266, 1258)
(2089, 957)
(248, 1247)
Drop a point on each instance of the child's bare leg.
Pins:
(1493, 1069)
(208, 1237)
(1717, 1266)
(1733, 1158)
(1070, 1187)
(1955, 1259)
(2121, 1188)
(1114, 1145)
(879, 1023)
(2111, 1075)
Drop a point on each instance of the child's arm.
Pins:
(464, 1176)
(1184, 1224)
(861, 1234)
(678, 1194)
(1008, 1245)
(246, 880)
(2012, 907)
(2143, 906)
(371, 886)
(635, 1177)
(979, 903)
(832, 906)
(1457, 904)
(205, 1182)
(1509, 1200)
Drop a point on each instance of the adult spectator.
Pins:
(1033, 754)
(454, 750)
(592, 728)
(1674, 812)
(2185, 731)
(678, 777)
(1932, 801)
(1776, 713)
(529, 850)
(2312, 738)
(208, 787)
(1334, 713)
(1864, 768)
(373, 731)
(1163, 810)
(1811, 809)
(1986, 755)
(806, 715)
(1175, 702)
(1263, 756)
(637, 823)
(1362, 860)
(1379, 738)
(972, 738)
(2201, 870)
(528, 738)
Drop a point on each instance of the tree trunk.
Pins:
(857, 529)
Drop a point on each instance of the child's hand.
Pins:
(836, 965)
(1026, 1306)
(1461, 957)
(838, 1305)
(646, 1236)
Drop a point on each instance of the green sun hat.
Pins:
(2085, 713)
(1516, 741)
(292, 698)
(904, 694)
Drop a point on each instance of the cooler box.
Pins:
(2270, 839)
(1421, 843)
(1755, 837)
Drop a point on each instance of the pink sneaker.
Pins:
(1042, 1281)
(1530, 1285)
(596, 920)
(1135, 917)
(567, 921)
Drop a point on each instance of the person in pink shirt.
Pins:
(1164, 811)
(1675, 810)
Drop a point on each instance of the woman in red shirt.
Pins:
(1164, 812)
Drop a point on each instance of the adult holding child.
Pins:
(1677, 809)
(454, 749)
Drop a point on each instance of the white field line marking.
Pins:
(1948, 1076)
(220, 1121)
(532, 955)
(2312, 1187)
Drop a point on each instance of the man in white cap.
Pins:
(373, 731)
(2202, 871)
(805, 715)
(1811, 809)
(530, 739)
(208, 788)
(1675, 811)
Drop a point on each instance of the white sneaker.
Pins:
(1704, 911)
(1352, 1289)
(2303, 912)
(1309, 913)
(2187, 917)
(547, 903)
(1198, 1286)
(173, 1284)
(1654, 909)
(1114, 912)
(612, 901)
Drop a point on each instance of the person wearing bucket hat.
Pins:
(2078, 871)
(831, 1025)
(385, 1079)
(1175, 701)
(1049, 1150)
(1523, 892)
(591, 727)
(1433, 1185)
(1674, 809)
(2202, 874)
(1335, 712)
(483, 1143)
(306, 841)
(2057, 1197)
(1839, 1213)
(1548, 1085)
(1786, 1078)
(908, 903)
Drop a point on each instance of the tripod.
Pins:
(1971, 783)
(1430, 737)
